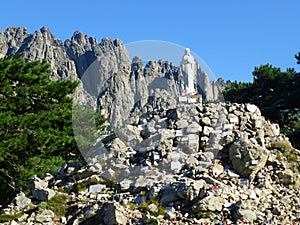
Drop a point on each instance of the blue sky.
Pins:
(231, 36)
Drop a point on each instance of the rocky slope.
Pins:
(212, 164)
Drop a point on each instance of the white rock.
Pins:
(21, 201)
(251, 108)
(211, 203)
(95, 188)
(45, 216)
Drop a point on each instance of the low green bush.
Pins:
(8, 217)
(57, 204)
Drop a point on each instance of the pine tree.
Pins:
(36, 133)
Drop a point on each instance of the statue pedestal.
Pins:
(189, 99)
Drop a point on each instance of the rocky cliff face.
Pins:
(105, 69)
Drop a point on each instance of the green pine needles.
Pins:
(36, 133)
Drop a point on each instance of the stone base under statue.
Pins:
(197, 98)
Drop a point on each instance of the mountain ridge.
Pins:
(93, 64)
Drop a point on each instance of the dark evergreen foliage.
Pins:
(276, 93)
(36, 133)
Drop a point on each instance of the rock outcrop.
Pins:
(105, 69)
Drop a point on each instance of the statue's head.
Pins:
(187, 51)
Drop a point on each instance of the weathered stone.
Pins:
(43, 194)
(207, 130)
(206, 121)
(96, 188)
(129, 135)
(233, 118)
(46, 216)
(181, 124)
(193, 128)
(190, 189)
(117, 146)
(243, 153)
(153, 208)
(168, 195)
(21, 201)
(217, 169)
(166, 134)
(251, 108)
(113, 214)
(37, 183)
(286, 177)
(249, 215)
(209, 203)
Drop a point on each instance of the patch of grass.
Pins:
(131, 205)
(282, 146)
(287, 150)
(151, 221)
(8, 217)
(201, 215)
(108, 183)
(57, 204)
(145, 207)
(78, 187)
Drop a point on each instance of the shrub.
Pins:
(57, 204)
(145, 207)
(204, 215)
(7, 217)
(151, 221)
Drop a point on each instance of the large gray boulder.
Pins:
(247, 158)
(209, 203)
(43, 194)
(190, 190)
(37, 183)
(46, 216)
(113, 214)
(130, 135)
(21, 201)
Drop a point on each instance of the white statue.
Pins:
(189, 69)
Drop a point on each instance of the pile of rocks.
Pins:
(217, 163)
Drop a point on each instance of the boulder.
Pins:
(45, 216)
(117, 146)
(247, 214)
(206, 121)
(113, 214)
(193, 128)
(43, 194)
(166, 134)
(168, 194)
(181, 124)
(209, 203)
(21, 201)
(246, 158)
(207, 130)
(286, 177)
(37, 183)
(251, 108)
(130, 135)
(190, 189)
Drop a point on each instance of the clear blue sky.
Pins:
(231, 36)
